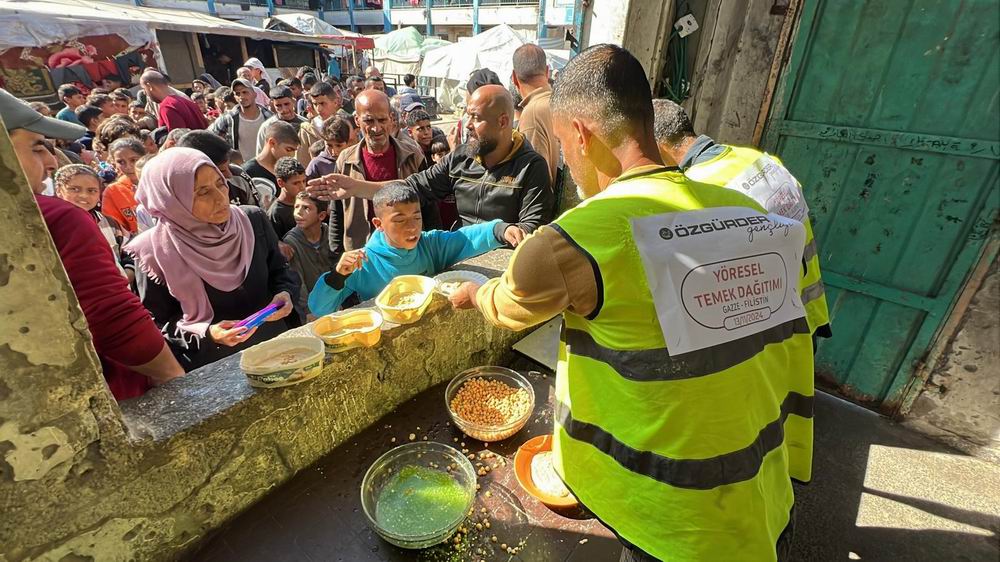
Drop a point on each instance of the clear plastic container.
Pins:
(349, 329)
(489, 433)
(264, 365)
(381, 475)
(417, 291)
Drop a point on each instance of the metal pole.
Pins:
(350, 11)
(430, 25)
(578, 13)
(387, 15)
(540, 32)
(475, 17)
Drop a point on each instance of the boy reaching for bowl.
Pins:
(398, 247)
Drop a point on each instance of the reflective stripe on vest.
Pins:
(730, 164)
(668, 450)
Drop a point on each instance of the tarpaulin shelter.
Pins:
(400, 51)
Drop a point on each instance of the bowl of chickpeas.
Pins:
(490, 403)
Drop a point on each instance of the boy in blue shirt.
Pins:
(397, 247)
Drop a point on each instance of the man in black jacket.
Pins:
(496, 175)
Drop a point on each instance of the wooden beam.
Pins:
(197, 54)
(243, 47)
(791, 16)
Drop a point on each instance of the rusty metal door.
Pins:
(888, 114)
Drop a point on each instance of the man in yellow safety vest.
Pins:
(754, 173)
(684, 382)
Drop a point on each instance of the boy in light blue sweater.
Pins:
(398, 247)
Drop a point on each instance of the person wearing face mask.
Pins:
(397, 247)
(208, 264)
(131, 365)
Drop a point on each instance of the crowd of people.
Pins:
(178, 214)
(203, 198)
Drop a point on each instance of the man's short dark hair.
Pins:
(373, 80)
(393, 194)
(608, 84)
(98, 100)
(125, 91)
(137, 105)
(279, 92)
(322, 89)
(208, 143)
(416, 116)
(68, 90)
(294, 82)
(410, 80)
(114, 128)
(281, 132)
(336, 129)
(671, 124)
(308, 81)
(286, 167)
(529, 62)
(321, 206)
(87, 113)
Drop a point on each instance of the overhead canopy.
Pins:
(37, 23)
(307, 24)
(400, 51)
(493, 49)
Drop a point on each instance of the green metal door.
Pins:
(888, 115)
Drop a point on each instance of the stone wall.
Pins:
(961, 402)
(82, 478)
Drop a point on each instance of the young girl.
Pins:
(119, 198)
(81, 186)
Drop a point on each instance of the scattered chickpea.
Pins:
(393, 440)
(584, 541)
(503, 546)
(413, 436)
(493, 538)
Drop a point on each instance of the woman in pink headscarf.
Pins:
(209, 264)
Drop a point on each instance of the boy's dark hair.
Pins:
(88, 113)
(116, 127)
(137, 104)
(372, 80)
(308, 81)
(118, 95)
(409, 80)
(224, 94)
(127, 143)
(208, 143)
(97, 100)
(67, 90)
(322, 89)
(279, 92)
(393, 194)
(336, 129)
(321, 206)
(125, 91)
(175, 135)
(293, 82)
(286, 167)
(316, 148)
(416, 116)
(440, 148)
(147, 122)
(281, 132)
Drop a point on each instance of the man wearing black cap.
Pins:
(127, 342)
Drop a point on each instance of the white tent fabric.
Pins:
(400, 51)
(36, 23)
(307, 24)
(493, 49)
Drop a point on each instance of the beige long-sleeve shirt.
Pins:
(536, 126)
(546, 276)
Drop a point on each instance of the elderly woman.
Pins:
(209, 264)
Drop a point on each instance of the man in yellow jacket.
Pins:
(684, 392)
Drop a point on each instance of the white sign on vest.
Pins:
(772, 186)
(720, 274)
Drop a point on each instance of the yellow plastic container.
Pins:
(349, 329)
(405, 299)
(283, 361)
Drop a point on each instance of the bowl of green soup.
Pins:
(418, 494)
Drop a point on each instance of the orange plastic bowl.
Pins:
(522, 470)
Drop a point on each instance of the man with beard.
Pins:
(496, 175)
(379, 158)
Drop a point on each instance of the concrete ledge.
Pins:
(206, 446)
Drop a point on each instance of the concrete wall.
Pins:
(641, 26)
(961, 403)
(84, 479)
